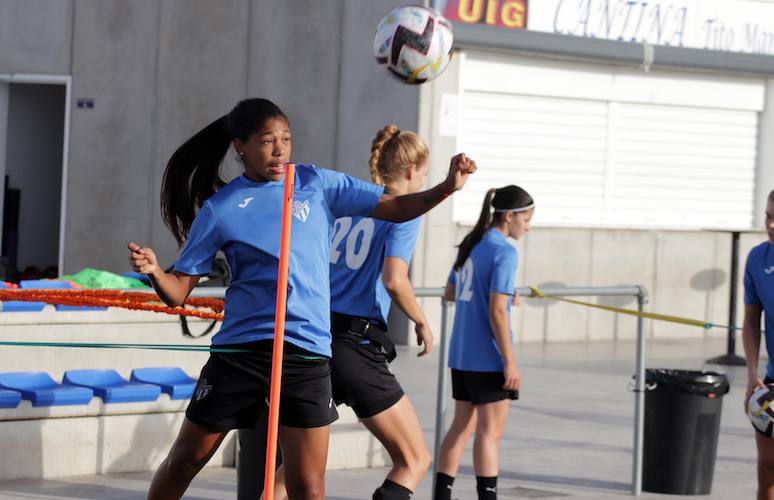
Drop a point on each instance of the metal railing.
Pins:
(641, 294)
(637, 291)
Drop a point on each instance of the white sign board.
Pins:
(733, 26)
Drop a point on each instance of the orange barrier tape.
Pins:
(140, 301)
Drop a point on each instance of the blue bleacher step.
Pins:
(112, 387)
(172, 380)
(9, 399)
(18, 305)
(42, 390)
(57, 285)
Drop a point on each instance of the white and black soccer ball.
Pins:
(760, 410)
(414, 43)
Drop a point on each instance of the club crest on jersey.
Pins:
(301, 210)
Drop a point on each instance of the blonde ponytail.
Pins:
(393, 151)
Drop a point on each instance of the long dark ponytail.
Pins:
(192, 173)
(496, 202)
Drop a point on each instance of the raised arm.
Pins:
(409, 206)
(173, 288)
(396, 281)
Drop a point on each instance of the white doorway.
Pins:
(34, 136)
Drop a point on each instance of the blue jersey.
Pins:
(759, 291)
(244, 220)
(358, 249)
(490, 268)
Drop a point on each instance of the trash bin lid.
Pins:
(709, 384)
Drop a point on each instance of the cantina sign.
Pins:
(727, 25)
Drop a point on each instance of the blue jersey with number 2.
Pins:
(490, 268)
(358, 250)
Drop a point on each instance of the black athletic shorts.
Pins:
(480, 388)
(361, 376)
(234, 387)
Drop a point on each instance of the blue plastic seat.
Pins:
(9, 399)
(172, 380)
(20, 306)
(111, 386)
(42, 390)
(57, 285)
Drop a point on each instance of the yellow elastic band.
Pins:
(538, 293)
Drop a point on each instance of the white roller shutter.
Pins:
(606, 146)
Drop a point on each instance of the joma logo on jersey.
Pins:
(301, 210)
(245, 202)
(769, 270)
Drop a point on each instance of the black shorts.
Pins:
(480, 388)
(234, 387)
(361, 376)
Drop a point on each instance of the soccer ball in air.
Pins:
(414, 43)
(760, 410)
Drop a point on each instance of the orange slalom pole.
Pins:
(279, 334)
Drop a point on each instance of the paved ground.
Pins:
(569, 436)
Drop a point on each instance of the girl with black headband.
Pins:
(484, 373)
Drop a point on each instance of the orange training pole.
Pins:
(279, 334)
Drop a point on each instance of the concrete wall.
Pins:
(686, 273)
(160, 71)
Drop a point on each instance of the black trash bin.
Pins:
(682, 421)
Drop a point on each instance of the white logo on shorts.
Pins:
(203, 389)
(245, 203)
(769, 270)
(330, 403)
(301, 210)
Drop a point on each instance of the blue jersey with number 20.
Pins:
(244, 220)
(490, 268)
(358, 250)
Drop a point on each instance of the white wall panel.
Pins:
(610, 146)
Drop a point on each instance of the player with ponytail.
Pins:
(365, 279)
(369, 269)
(484, 373)
(243, 219)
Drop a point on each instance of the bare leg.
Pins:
(765, 467)
(191, 451)
(304, 454)
(489, 430)
(398, 430)
(462, 427)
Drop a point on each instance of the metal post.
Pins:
(440, 401)
(730, 357)
(639, 398)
